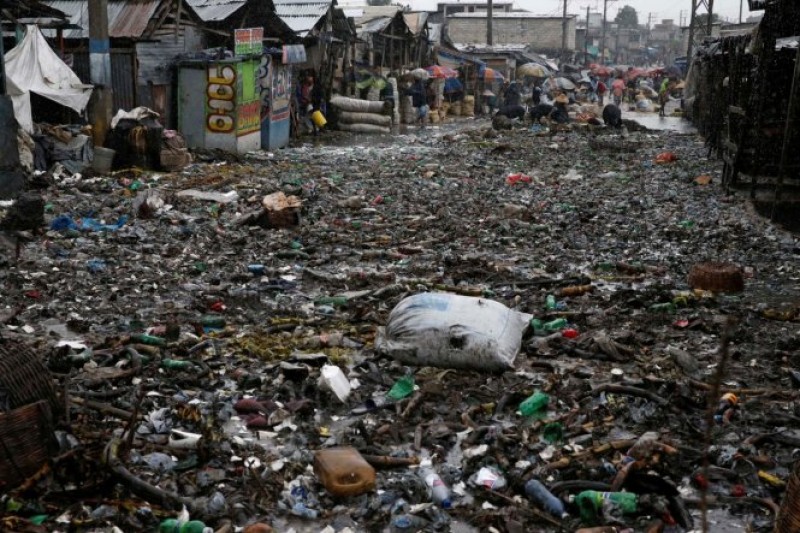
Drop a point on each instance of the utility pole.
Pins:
(603, 38)
(489, 13)
(564, 34)
(100, 70)
(741, 2)
(696, 5)
(586, 40)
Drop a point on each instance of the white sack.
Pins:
(453, 331)
(33, 67)
(350, 117)
(355, 104)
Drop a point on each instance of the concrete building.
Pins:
(445, 9)
(541, 34)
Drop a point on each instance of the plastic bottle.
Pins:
(555, 325)
(550, 302)
(257, 269)
(437, 489)
(213, 321)
(534, 405)
(173, 525)
(591, 503)
(539, 493)
(150, 340)
(176, 364)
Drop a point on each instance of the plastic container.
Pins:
(534, 405)
(591, 504)
(343, 472)
(437, 489)
(334, 380)
(103, 159)
(402, 388)
(319, 119)
(539, 493)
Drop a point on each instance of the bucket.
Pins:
(318, 118)
(103, 159)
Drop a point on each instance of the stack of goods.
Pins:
(362, 116)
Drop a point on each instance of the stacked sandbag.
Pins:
(407, 109)
(374, 94)
(396, 99)
(455, 108)
(362, 116)
(468, 106)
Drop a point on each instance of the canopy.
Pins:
(436, 71)
(490, 74)
(532, 69)
(33, 67)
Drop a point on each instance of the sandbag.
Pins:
(354, 104)
(364, 128)
(468, 106)
(453, 331)
(396, 99)
(350, 117)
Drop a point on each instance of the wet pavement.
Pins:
(171, 313)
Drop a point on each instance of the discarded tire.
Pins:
(717, 277)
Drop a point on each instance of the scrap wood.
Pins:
(630, 391)
(138, 486)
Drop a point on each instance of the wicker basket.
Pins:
(25, 379)
(26, 442)
(788, 520)
(717, 277)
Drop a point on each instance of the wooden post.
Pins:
(788, 130)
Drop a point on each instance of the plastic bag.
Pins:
(452, 331)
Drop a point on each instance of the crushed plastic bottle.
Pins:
(541, 495)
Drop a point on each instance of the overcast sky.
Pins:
(661, 9)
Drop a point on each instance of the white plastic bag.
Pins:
(452, 331)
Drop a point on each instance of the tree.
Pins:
(627, 17)
(702, 19)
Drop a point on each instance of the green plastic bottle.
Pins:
(667, 307)
(592, 502)
(335, 301)
(213, 321)
(556, 325)
(537, 325)
(176, 364)
(150, 340)
(550, 302)
(172, 525)
(401, 389)
(535, 405)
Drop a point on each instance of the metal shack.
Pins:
(219, 100)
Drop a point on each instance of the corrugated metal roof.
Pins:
(301, 15)
(416, 21)
(373, 12)
(215, 10)
(125, 18)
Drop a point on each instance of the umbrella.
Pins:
(420, 73)
(437, 71)
(490, 74)
(602, 71)
(532, 69)
(564, 84)
(452, 85)
(635, 73)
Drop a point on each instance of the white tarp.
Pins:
(33, 67)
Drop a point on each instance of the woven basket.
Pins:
(26, 442)
(717, 277)
(25, 379)
(788, 520)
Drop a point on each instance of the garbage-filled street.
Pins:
(225, 344)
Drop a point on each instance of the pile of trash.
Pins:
(461, 330)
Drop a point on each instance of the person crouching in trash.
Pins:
(560, 114)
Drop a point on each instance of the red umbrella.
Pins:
(490, 74)
(602, 71)
(437, 71)
(635, 73)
